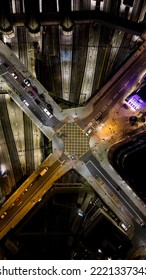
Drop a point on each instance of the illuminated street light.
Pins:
(99, 251)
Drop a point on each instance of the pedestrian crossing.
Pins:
(76, 143)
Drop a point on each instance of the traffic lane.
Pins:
(115, 91)
(124, 84)
(33, 107)
(25, 84)
(19, 69)
(91, 122)
(123, 81)
(104, 106)
(22, 212)
(97, 171)
(86, 156)
(53, 121)
(40, 114)
(3, 70)
(48, 174)
(10, 69)
(25, 196)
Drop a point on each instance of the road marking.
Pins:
(102, 175)
(138, 69)
(121, 89)
(132, 76)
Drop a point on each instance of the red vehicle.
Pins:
(18, 198)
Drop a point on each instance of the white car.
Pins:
(3, 215)
(125, 227)
(48, 113)
(73, 157)
(26, 103)
(27, 82)
(14, 75)
(88, 132)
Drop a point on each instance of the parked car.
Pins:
(37, 101)
(27, 82)
(6, 65)
(48, 113)
(14, 75)
(26, 103)
(3, 215)
(30, 94)
(18, 198)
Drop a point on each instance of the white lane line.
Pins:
(114, 189)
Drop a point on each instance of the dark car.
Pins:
(37, 101)
(30, 94)
(42, 97)
(6, 65)
(23, 84)
(125, 106)
(50, 108)
(34, 90)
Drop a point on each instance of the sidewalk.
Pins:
(108, 134)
